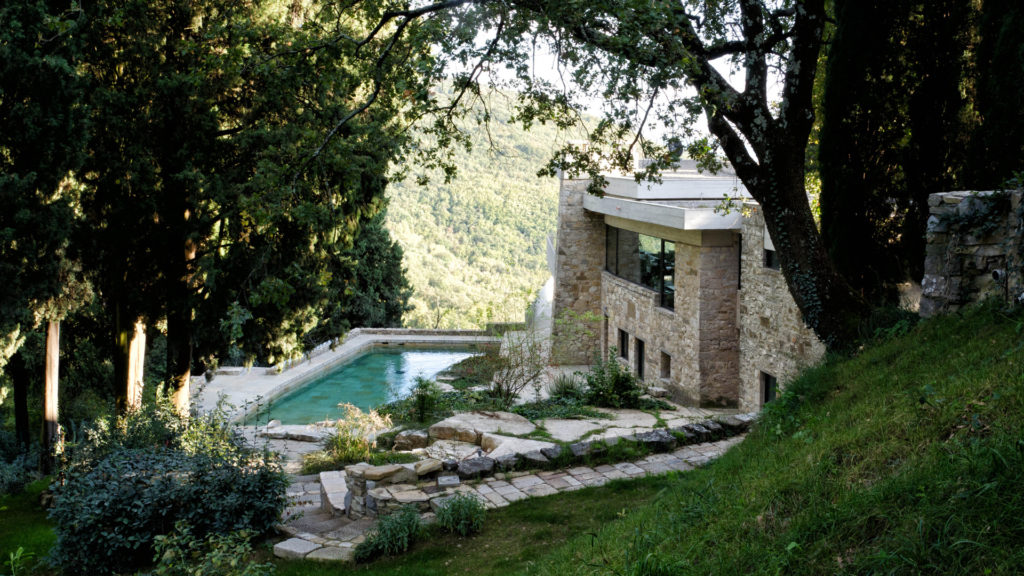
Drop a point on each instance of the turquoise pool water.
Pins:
(376, 377)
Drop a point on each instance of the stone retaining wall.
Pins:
(974, 250)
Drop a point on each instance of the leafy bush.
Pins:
(180, 553)
(394, 534)
(462, 514)
(16, 473)
(611, 385)
(131, 480)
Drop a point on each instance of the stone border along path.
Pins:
(317, 528)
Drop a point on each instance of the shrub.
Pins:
(569, 386)
(16, 473)
(180, 553)
(131, 480)
(613, 386)
(425, 396)
(521, 363)
(462, 514)
(394, 534)
(353, 440)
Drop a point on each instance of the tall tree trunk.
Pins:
(50, 436)
(828, 303)
(179, 322)
(136, 365)
(129, 358)
(20, 378)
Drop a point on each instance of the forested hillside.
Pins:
(475, 248)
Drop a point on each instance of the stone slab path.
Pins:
(316, 529)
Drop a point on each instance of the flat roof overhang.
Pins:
(678, 215)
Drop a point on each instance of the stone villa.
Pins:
(690, 298)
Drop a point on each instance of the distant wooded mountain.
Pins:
(475, 248)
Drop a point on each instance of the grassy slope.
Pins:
(906, 459)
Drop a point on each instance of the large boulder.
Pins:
(411, 439)
(475, 467)
(469, 426)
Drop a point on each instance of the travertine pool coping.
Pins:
(244, 389)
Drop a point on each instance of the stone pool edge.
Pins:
(246, 389)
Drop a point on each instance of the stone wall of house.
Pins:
(719, 336)
(773, 338)
(699, 336)
(975, 250)
(636, 310)
(579, 264)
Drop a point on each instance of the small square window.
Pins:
(771, 259)
(623, 344)
(666, 366)
(769, 387)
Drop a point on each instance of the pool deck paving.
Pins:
(314, 528)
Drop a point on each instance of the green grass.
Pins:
(23, 524)
(512, 539)
(906, 459)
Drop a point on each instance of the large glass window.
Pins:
(642, 259)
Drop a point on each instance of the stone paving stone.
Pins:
(331, 554)
(448, 481)
(495, 499)
(484, 489)
(550, 474)
(294, 548)
(514, 495)
(596, 481)
(630, 468)
(498, 484)
(682, 467)
(507, 489)
(572, 481)
(574, 488)
(654, 467)
(526, 481)
(558, 483)
(604, 468)
(614, 474)
(351, 531)
(686, 453)
(580, 470)
(541, 489)
(665, 458)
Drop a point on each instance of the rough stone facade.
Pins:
(579, 262)
(699, 336)
(733, 321)
(975, 250)
(773, 337)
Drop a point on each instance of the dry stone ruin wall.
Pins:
(975, 250)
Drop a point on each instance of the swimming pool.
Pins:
(376, 377)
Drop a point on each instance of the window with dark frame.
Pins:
(769, 387)
(640, 360)
(666, 366)
(644, 260)
(739, 262)
(623, 344)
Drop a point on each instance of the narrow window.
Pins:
(639, 359)
(739, 262)
(771, 259)
(611, 243)
(666, 366)
(623, 344)
(668, 275)
(605, 337)
(769, 387)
